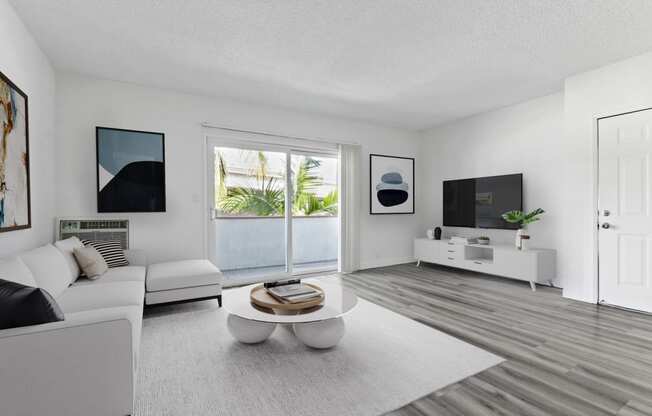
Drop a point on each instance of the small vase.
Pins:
(517, 241)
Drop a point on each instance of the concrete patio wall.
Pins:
(260, 241)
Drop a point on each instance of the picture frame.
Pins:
(15, 184)
(130, 167)
(391, 185)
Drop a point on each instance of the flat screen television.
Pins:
(130, 170)
(480, 202)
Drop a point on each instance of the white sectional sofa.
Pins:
(85, 365)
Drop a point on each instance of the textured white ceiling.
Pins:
(407, 63)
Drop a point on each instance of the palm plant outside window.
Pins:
(251, 183)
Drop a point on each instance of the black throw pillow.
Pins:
(22, 305)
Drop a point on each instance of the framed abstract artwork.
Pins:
(130, 170)
(15, 198)
(391, 185)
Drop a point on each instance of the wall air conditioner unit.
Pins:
(99, 229)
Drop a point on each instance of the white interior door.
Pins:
(625, 221)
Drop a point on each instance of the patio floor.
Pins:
(237, 276)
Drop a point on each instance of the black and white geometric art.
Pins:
(130, 170)
(391, 184)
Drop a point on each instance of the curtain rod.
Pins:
(263, 133)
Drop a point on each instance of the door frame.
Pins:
(254, 141)
(596, 197)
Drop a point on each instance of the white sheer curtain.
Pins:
(349, 178)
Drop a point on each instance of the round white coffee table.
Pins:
(318, 327)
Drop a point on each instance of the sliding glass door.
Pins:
(315, 225)
(273, 211)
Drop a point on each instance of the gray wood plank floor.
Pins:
(563, 357)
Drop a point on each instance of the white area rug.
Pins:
(190, 365)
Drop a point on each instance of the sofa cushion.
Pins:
(117, 274)
(49, 268)
(90, 261)
(134, 314)
(15, 270)
(179, 274)
(22, 305)
(66, 247)
(99, 295)
(111, 251)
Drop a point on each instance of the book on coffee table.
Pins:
(294, 293)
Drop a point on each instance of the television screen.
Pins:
(130, 170)
(459, 203)
(480, 202)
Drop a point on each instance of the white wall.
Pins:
(613, 89)
(83, 103)
(23, 62)
(525, 138)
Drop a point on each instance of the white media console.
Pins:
(533, 265)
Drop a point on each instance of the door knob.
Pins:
(606, 212)
(606, 225)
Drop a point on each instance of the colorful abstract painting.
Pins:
(130, 170)
(15, 210)
(391, 184)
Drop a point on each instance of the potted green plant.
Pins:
(484, 240)
(522, 219)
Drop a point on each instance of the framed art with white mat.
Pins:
(391, 185)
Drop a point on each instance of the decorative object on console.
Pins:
(437, 233)
(111, 252)
(463, 240)
(522, 219)
(15, 209)
(22, 305)
(484, 240)
(130, 170)
(430, 233)
(391, 185)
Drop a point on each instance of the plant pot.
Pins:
(520, 235)
(517, 241)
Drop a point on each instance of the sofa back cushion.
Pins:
(66, 247)
(13, 269)
(49, 268)
(22, 305)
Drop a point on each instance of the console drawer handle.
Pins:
(477, 262)
(451, 251)
(451, 258)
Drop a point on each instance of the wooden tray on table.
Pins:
(260, 297)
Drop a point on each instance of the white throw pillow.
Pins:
(66, 248)
(14, 269)
(49, 268)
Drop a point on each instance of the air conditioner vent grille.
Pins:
(95, 229)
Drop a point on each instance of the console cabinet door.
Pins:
(520, 265)
(426, 250)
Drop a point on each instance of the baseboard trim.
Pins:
(385, 262)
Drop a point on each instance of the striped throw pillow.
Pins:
(111, 251)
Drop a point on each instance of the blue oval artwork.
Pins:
(391, 190)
